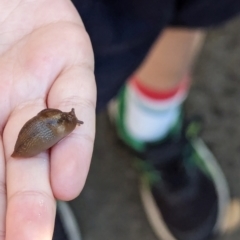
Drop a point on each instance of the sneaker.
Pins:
(66, 227)
(183, 190)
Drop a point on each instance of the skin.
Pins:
(171, 58)
(43, 48)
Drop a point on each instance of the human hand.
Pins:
(46, 60)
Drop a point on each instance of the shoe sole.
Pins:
(68, 221)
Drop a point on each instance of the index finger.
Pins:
(30, 202)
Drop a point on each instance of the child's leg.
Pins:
(183, 189)
(156, 91)
(170, 59)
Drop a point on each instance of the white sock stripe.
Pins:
(147, 121)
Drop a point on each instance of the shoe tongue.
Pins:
(168, 158)
(164, 153)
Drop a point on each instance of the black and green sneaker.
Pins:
(183, 190)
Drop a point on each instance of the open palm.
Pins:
(46, 60)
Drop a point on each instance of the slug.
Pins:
(43, 131)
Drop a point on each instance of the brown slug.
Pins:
(43, 131)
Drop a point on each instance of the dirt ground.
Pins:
(109, 208)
